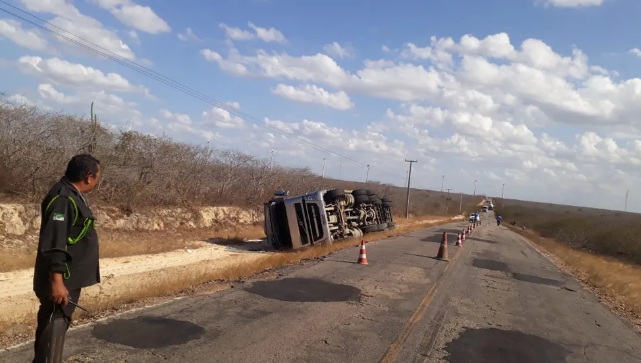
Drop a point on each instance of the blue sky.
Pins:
(542, 95)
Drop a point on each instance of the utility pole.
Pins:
(409, 180)
(271, 159)
(367, 175)
(626, 199)
(323, 168)
(460, 205)
(474, 187)
(447, 201)
(442, 183)
(503, 191)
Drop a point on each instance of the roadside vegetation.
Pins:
(142, 171)
(609, 233)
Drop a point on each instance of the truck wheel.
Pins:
(382, 226)
(361, 199)
(357, 192)
(369, 229)
(333, 194)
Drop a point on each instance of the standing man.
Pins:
(67, 257)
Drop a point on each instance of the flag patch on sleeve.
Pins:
(59, 217)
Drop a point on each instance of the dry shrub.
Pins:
(610, 233)
(143, 170)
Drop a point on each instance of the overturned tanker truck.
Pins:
(324, 216)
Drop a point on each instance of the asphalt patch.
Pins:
(305, 290)
(490, 265)
(536, 279)
(498, 346)
(146, 332)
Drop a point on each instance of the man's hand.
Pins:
(59, 292)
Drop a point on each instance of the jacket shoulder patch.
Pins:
(59, 217)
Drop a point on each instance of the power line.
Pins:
(97, 49)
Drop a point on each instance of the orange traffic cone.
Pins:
(362, 257)
(463, 234)
(459, 240)
(442, 250)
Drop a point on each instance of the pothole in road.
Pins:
(147, 332)
(498, 346)
(490, 265)
(536, 279)
(305, 290)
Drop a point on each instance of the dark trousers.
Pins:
(53, 322)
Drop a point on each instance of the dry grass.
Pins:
(616, 281)
(120, 244)
(123, 243)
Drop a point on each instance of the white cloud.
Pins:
(338, 50)
(220, 117)
(314, 94)
(268, 35)
(233, 104)
(573, 3)
(636, 51)
(133, 35)
(20, 100)
(136, 16)
(66, 73)
(69, 19)
(188, 36)
(106, 105)
(183, 119)
(30, 39)
(361, 144)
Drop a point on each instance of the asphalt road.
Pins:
(495, 300)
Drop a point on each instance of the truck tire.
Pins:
(369, 229)
(374, 200)
(357, 192)
(370, 192)
(391, 224)
(386, 204)
(333, 194)
(382, 226)
(359, 199)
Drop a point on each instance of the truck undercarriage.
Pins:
(324, 216)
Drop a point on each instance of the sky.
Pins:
(531, 99)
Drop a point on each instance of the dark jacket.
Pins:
(68, 240)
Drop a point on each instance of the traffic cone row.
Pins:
(442, 250)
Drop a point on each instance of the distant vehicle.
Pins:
(472, 217)
(485, 208)
(324, 216)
